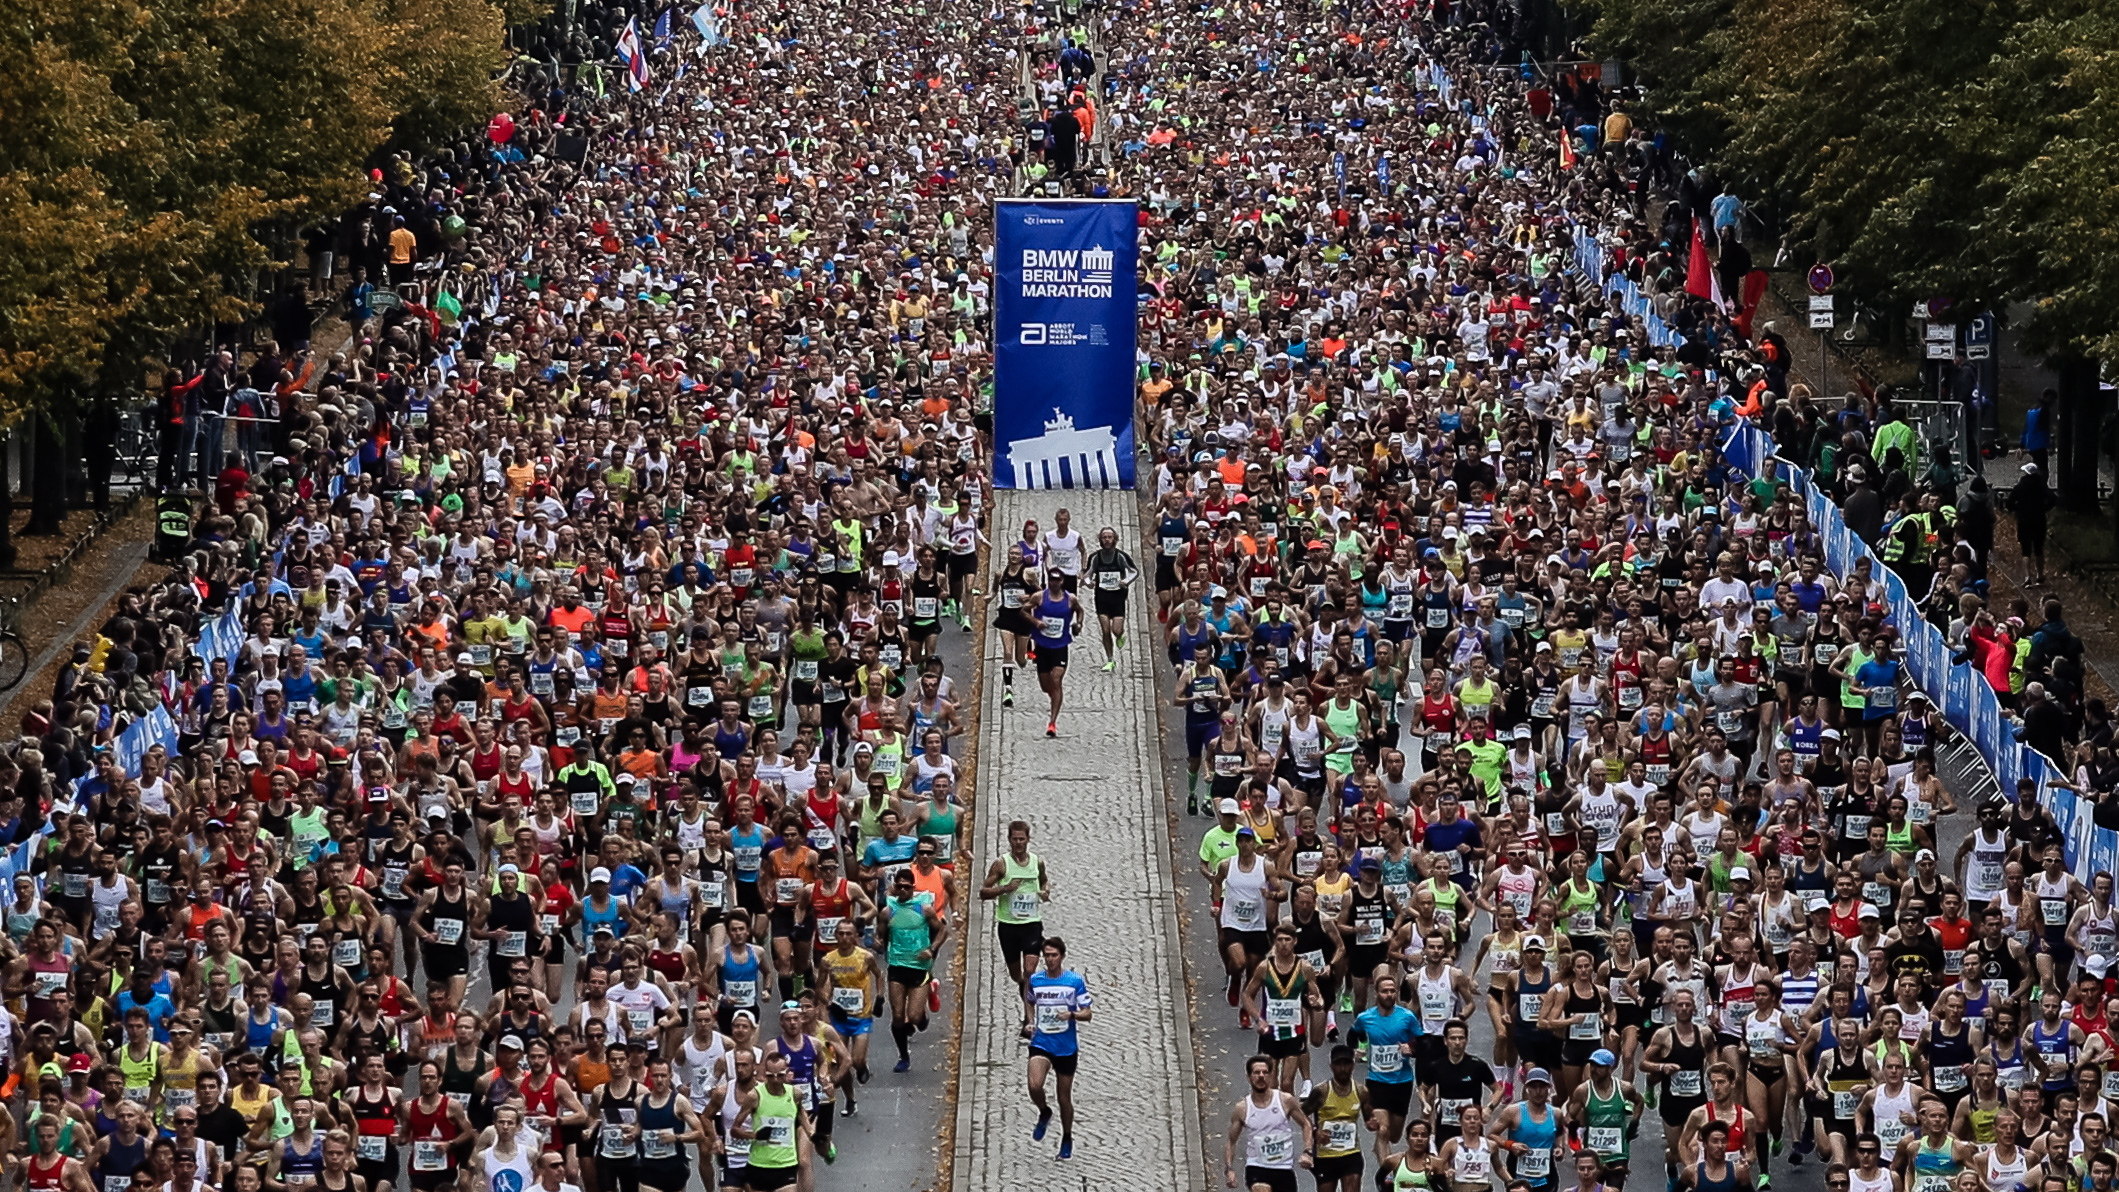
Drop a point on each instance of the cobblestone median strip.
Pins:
(1094, 802)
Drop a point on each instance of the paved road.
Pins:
(1097, 818)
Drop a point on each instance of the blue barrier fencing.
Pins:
(1960, 693)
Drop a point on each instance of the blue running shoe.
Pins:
(1044, 1123)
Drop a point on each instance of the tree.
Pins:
(155, 155)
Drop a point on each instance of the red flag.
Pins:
(1567, 150)
(1755, 283)
(1699, 271)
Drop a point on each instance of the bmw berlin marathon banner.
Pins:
(1063, 366)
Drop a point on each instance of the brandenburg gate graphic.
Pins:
(1064, 457)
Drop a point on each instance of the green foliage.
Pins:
(152, 150)
(1956, 148)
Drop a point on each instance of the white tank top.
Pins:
(1890, 1127)
(699, 1064)
(1983, 875)
(1882, 1182)
(1268, 1134)
(1243, 895)
(1273, 727)
(2000, 1176)
(1438, 998)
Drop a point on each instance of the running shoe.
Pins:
(860, 1073)
(1066, 1148)
(831, 1152)
(904, 1065)
(1044, 1123)
(1007, 697)
(1052, 728)
(1109, 663)
(934, 997)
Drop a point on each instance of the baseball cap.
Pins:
(511, 1039)
(1534, 941)
(1602, 1055)
(599, 874)
(1926, 854)
(248, 757)
(1816, 902)
(2098, 965)
(1540, 1076)
(1522, 732)
(1830, 734)
(1741, 873)
(1227, 807)
(1869, 911)
(1246, 832)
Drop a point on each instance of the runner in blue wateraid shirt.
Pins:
(1383, 1035)
(1059, 1003)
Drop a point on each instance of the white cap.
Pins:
(1830, 734)
(1816, 902)
(1869, 911)
(890, 558)
(1227, 807)
(1741, 873)
(248, 757)
(599, 874)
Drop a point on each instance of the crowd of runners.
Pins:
(589, 763)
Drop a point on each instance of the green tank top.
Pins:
(1899, 839)
(307, 830)
(1345, 723)
(1605, 1120)
(909, 931)
(1855, 661)
(773, 1125)
(140, 1074)
(1020, 905)
(940, 826)
(1446, 895)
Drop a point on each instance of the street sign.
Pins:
(1820, 278)
(1920, 310)
(1979, 337)
(1940, 333)
(1820, 302)
(1939, 351)
(1821, 320)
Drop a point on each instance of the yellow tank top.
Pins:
(1339, 1123)
(247, 1105)
(1331, 894)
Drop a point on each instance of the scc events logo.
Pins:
(1041, 221)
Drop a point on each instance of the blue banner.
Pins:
(1063, 360)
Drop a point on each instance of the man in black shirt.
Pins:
(219, 1123)
(1455, 1081)
(1914, 951)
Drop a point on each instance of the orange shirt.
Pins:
(934, 881)
(572, 620)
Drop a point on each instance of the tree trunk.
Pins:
(7, 503)
(47, 497)
(2079, 432)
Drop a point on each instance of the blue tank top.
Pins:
(730, 742)
(1804, 738)
(748, 848)
(257, 1036)
(121, 1161)
(1700, 1182)
(299, 1163)
(664, 1118)
(1055, 621)
(801, 1062)
(2055, 1044)
(1537, 1136)
(591, 918)
(1189, 640)
(738, 970)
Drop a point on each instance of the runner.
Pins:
(1057, 1001)
(1058, 618)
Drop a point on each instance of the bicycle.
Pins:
(14, 651)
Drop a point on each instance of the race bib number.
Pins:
(371, 1148)
(1052, 1020)
(514, 943)
(1606, 1140)
(849, 999)
(1386, 1057)
(1685, 1083)
(448, 931)
(428, 1155)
